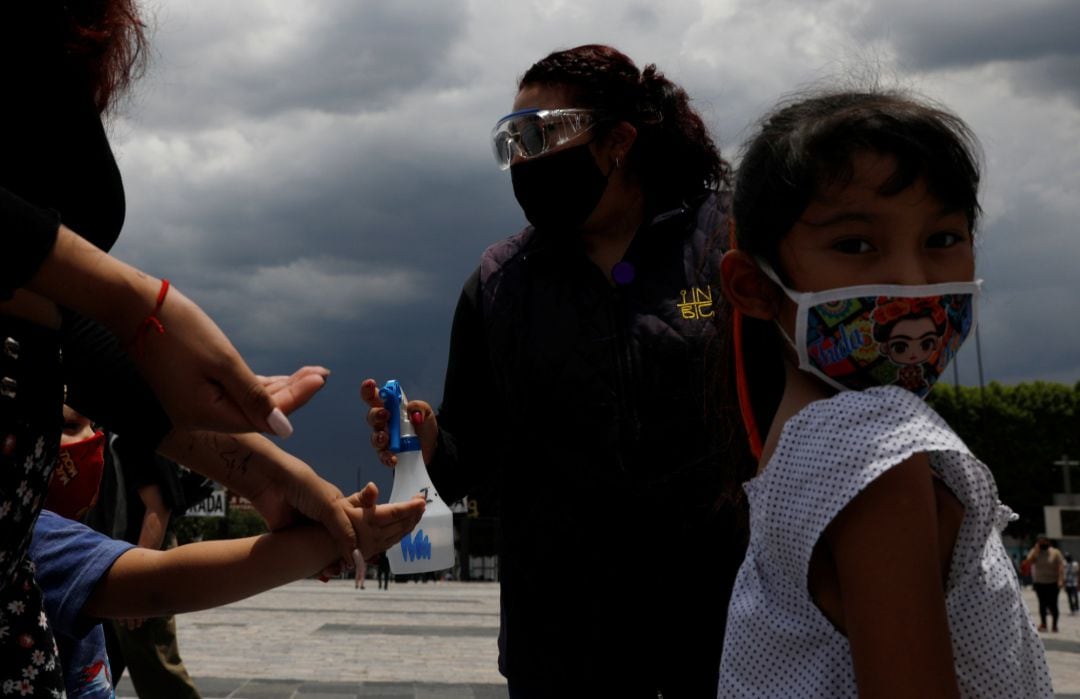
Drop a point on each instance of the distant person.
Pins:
(382, 573)
(1048, 577)
(361, 573)
(876, 566)
(578, 384)
(1072, 573)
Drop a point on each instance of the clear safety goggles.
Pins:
(533, 132)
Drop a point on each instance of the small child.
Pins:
(86, 576)
(875, 565)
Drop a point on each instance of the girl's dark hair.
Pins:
(809, 144)
(674, 155)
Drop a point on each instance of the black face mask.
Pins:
(559, 190)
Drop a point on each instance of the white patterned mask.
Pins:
(856, 337)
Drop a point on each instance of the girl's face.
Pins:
(851, 235)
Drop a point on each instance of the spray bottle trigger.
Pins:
(391, 396)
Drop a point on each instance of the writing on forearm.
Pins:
(235, 457)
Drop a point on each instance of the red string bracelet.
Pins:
(152, 322)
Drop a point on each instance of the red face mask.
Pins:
(74, 486)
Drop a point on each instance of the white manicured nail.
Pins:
(279, 423)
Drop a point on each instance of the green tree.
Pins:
(237, 524)
(1018, 431)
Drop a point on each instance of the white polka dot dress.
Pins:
(778, 644)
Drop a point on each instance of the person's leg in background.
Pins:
(153, 660)
(1041, 591)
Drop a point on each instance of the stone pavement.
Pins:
(311, 640)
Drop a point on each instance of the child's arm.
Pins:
(885, 544)
(211, 573)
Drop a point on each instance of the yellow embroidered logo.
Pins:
(696, 303)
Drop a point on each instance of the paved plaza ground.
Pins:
(311, 640)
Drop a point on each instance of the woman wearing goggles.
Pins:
(590, 330)
(533, 132)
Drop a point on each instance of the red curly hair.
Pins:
(99, 44)
(106, 42)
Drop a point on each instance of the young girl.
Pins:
(875, 566)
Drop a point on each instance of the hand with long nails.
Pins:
(420, 415)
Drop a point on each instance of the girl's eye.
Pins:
(945, 239)
(898, 347)
(852, 246)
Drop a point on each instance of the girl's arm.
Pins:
(885, 544)
(145, 583)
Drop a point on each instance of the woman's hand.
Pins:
(293, 392)
(420, 414)
(197, 374)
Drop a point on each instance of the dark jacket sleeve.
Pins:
(104, 384)
(468, 416)
(27, 235)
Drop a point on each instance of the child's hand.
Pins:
(378, 527)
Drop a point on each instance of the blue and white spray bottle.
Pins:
(430, 546)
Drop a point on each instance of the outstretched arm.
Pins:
(211, 573)
(282, 488)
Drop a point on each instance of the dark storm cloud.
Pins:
(334, 56)
(1038, 37)
(318, 175)
(934, 35)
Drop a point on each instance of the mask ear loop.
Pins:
(746, 409)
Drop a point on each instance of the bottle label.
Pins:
(416, 546)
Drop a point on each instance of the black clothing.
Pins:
(27, 235)
(57, 166)
(586, 404)
(56, 152)
(104, 384)
(31, 397)
(1047, 593)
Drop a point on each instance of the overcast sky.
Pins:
(318, 175)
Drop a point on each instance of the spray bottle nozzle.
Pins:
(402, 435)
